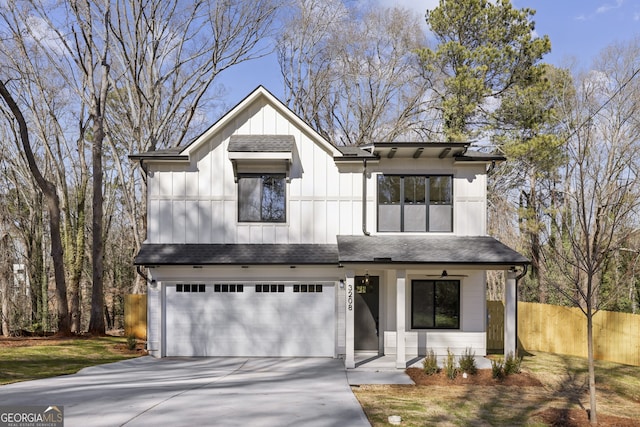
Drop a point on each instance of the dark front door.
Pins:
(366, 314)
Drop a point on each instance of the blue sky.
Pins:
(578, 29)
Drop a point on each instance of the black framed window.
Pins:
(415, 203)
(435, 304)
(262, 198)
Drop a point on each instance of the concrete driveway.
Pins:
(199, 392)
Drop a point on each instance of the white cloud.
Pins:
(607, 6)
(419, 6)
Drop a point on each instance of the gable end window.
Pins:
(435, 304)
(262, 198)
(415, 203)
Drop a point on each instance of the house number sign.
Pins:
(350, 297)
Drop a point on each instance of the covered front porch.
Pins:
(408, 295)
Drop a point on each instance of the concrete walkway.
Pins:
(199, 392)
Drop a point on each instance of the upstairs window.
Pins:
(262, 198)
(415, 203)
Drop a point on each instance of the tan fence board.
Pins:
(135, 316)
(563, 330)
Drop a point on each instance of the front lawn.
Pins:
(23, 359)
(561, 400)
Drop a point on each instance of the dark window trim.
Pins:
(457, 283)
(402, 200)
(260, 175)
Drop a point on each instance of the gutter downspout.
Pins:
(364, 198)
(141, 274)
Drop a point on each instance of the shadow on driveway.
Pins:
(199, 391)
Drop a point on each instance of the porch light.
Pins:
(444, 273)
(366, 278)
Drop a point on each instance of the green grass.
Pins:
(564, 381)
(622, 380)
(50, 358)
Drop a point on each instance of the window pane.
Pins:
(415, 218)
(389, 218)
(262, 198)
(422, 300)
(414, 189)
(388, 190)
(249, 198)
(441, 218)
(273, 198)
(440, 190)
(447, 305)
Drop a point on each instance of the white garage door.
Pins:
(256, 319)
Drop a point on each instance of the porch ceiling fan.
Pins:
(445, 275)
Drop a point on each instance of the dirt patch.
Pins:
(483, 378)
(557, 417)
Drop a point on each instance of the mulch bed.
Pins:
(483, 377)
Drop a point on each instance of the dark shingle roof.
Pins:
(236, 254)
(381, 249)
(479, 156)
(426, 250)
(350, 152)
(261, 143)
(166, 154)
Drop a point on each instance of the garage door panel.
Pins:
(250, 323)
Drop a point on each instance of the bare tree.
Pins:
(53, 207)
(353, 74)
(167, 55)
(602, 179)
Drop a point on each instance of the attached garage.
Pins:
(272, 319)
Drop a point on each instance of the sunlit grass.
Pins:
(564, 379)
(58, 357)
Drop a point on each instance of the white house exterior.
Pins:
(266, 240)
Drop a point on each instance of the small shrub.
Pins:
(467, 362)
(450, 366)
(497, 369)
(512, 364)
(430, 364)
(131, 342)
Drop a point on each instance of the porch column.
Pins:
(349, 361)
(510, 307)
(401, 360)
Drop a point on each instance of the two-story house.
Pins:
(266, 240)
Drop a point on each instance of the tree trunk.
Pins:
(76, 264)
(593, 419)
(96, 323)
(53, 207)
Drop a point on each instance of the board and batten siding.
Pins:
(197, 203)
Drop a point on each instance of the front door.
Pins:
(366, 314)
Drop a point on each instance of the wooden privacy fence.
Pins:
(135, 316)
(563, 330)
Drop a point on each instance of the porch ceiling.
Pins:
(395, 249)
